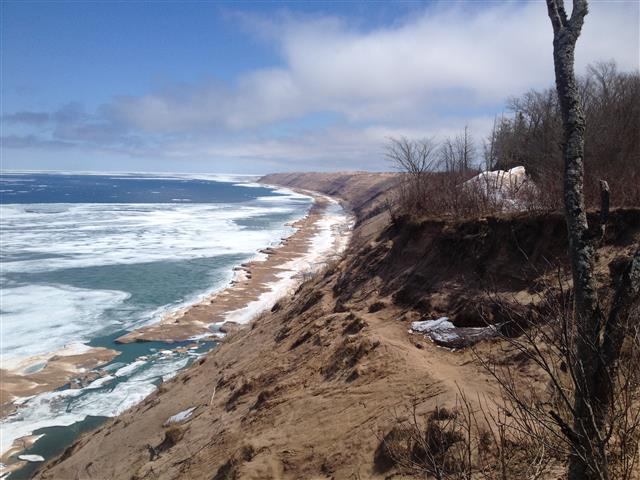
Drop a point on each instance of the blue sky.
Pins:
(253, 87)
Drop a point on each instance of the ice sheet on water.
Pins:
(81, 235)
(65, 407)
(37, 319)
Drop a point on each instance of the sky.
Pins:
(259, 87)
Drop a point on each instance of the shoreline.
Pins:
(264, 388)
(256, 286)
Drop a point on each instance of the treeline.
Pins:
(529, 134)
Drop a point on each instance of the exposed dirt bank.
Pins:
(309, 388)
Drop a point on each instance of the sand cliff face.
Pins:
(309, 389)
(361, 191)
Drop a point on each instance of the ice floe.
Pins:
(31, 458)
(129, 369)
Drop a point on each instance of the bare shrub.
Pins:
(472, 439)
(435, 182)
(544, 410)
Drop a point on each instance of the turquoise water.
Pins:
(86, 258)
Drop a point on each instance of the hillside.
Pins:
(311, 388)
(362, 192)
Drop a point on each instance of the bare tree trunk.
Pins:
(588, 460)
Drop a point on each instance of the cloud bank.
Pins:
(341, 89)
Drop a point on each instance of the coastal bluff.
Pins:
(360, 191)
(313, 386)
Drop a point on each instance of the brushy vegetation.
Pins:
(529, 134)
(585, 347)
(532, 135)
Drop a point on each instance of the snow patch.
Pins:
(506, 187)
(444, 333)
(180, 417)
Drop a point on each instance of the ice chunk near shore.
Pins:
(444, 333)
(31, 458)
(180, 416)
(99, 382)
(129, 369)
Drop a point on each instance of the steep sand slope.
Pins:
(308, 390)
(361, 191)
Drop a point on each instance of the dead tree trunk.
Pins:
(588, 452)
(597, 339)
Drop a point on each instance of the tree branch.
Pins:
(557, 14)
(580, 10)
(572, 436)
(626, 298)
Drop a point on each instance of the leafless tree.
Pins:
(489, 148)
(598, 339)
(457, 153)
(416, 160)
(530, 134)
(414, 157)
(544, 340)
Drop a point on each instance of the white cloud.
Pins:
(430, 74)
(447, 54)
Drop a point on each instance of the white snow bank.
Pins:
(508, 187)
(428, 325)
(180, 417)
(446, 334)
(441, 328)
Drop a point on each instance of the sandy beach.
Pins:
(257, 286)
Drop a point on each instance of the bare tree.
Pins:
(457, 153)
(416, 160)
(414, 157)
(598, 339)
(489, 148)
